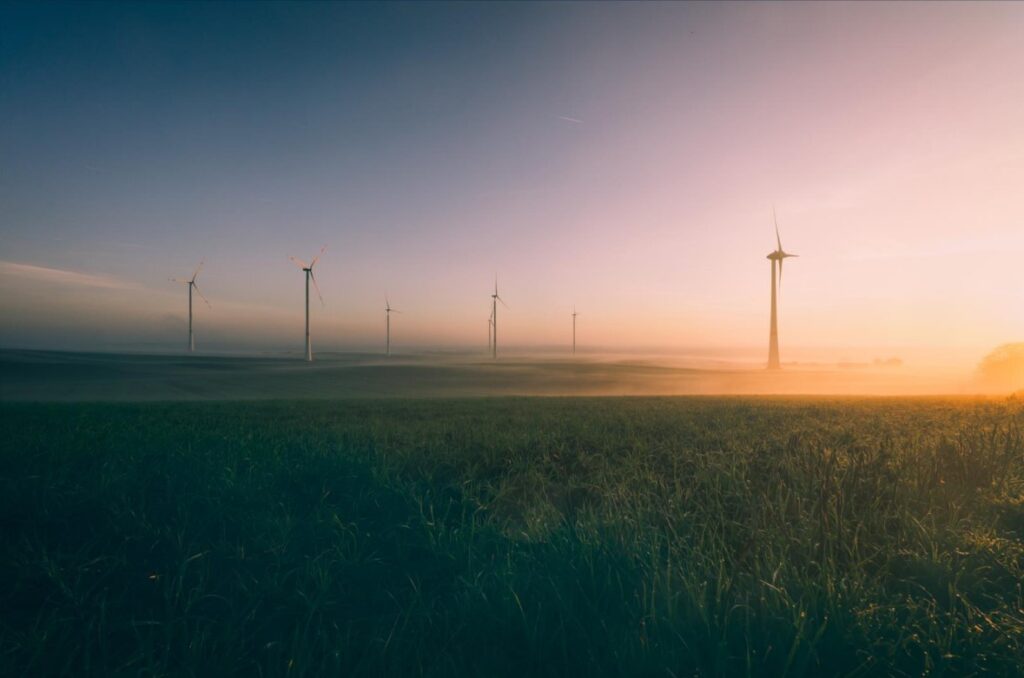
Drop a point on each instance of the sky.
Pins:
(622, 158)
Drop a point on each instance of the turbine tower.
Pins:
(387, 324)
(574, 314)
(776, 257)
(191, 282)
(490, 329)
(308, 268)
(494, 318)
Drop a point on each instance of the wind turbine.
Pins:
(574, 314)
(387, 323)
(494, 317)
(778, 256)
(308, 268)
(191, 282)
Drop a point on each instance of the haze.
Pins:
(622, 158)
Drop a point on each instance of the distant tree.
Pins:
(1003, 368)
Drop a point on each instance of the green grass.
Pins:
(524, 536)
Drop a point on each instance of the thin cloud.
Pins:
(568, 119)
(60, 276)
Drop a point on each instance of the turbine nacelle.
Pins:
(308, 269)
(779, 254)
(191, 282)
(496, 296)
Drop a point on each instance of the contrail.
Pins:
(60, 276)
(568, 119)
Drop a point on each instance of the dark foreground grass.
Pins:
(513, 537)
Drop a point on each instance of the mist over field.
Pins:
(42, 376)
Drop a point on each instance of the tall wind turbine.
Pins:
(387, 324)
(574, 314)
(778, 256)
(191, 282)
(308, 268)
(494, 318)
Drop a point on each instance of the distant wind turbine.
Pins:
(494, 317)
(387, 323)
(191, 282)
(308, 268)
(778, 256)
(574, 314)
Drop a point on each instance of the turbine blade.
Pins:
(196, 288)
(298, 262)
(179, 280)
(316, 287)
(781, 259)
(502, 301)
(198, 268)
(317, 257)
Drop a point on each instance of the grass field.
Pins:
(513, 536)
